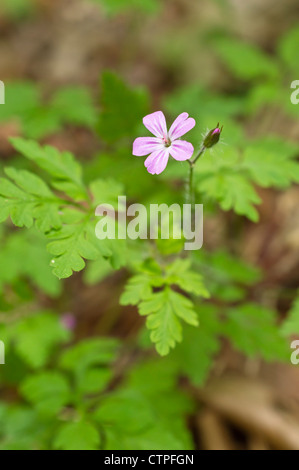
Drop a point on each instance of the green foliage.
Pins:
(245, 60)
(97, 271)
(272, 163)
(156, 406)
(227, 176)
(233, 192)
(62, 166)
(34, 338)
(38, 118)
(252, 329)
(291, 325)
(27, 199)
(20, 428)
(29, 247)
(48, 392)
(74, 105)
(72, 244)
(73, 436)
(227, 277)
(166, 308)
(87, 354)
(69, 225)
(79, 411)
(204, 105)
(288, 49)
(266, 76)
(113, 7)
(122, 109)
(194, 356)
(17, 9)
(140, 431)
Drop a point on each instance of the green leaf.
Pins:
(88, 354)
(226, 269)
(96, 271)
(113, 7)
(28, 246)
(164, 378)
(16, 9)
(20, 99)
(77, 241)
(159, 437)
(60, 165)
(106, 192)
(223, 159)
(226, 176)
(35, 337)
(40, 122)
(203, 105)
(194, 356)
(253, 330)
(180, 274)
(288, 49)
(74, 105)
(122, 109)
(291, 325)
(161, 391)
(94, 380)
(72, 244)
(28, 200)
(116, 411)
(21, 428)
(137, 289)
(270, 165)
(77, 436)
(246, 61)
(114, 250)
(47, 391)
(167, 407)
(233, 191)
(264, 94)
(164, 310)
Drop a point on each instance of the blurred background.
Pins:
(227, 61)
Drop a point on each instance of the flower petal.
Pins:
(145, 145)
(156, 124)
(180, 126)
(157, 161)
(181, 150)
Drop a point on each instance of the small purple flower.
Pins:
(165, 142)
(68, 321)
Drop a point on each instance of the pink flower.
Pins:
(164, 142)
(68, 321)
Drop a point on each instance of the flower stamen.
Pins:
(167, 141)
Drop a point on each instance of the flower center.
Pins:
(167, 141)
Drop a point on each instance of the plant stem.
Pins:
(190, 185)
(201, 151)
(190, 192)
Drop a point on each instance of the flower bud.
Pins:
(212, 137)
